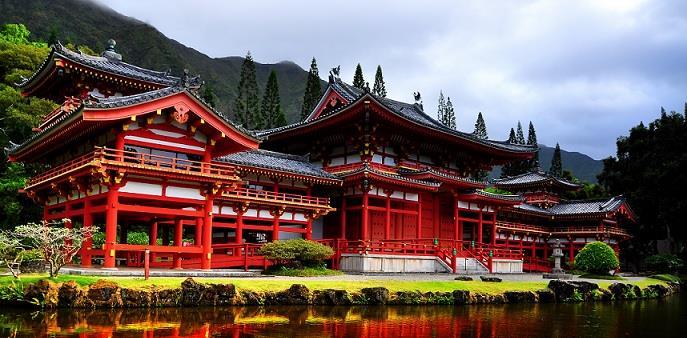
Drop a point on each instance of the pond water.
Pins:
(649, 318)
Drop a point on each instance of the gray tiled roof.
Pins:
(367, 168)
(276, 161)
(533, 178)
(404, 171)
(411, 112)
(122, 101)
(581, 207)
(109, 65)
(514, 198)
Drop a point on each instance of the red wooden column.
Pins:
(277, 214)
(178, 239)
(309, 218)
(198, 236)
(387, 216)
(546, 249)
(342, 235)
(111, 208)
(534, 247)
(480, 225)
(206, 258)
(364, 233)
(571, 250)
(153, 234)
(88, 243)
(419, 217)
(239, 209)
(493, 228)
(457, 231)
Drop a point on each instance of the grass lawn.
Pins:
(271, 284)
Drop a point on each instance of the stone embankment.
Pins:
(109, 295)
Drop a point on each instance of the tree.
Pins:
(58, 243)
(272, 115)
(532, 141)
(556, 169)
(650, 170)
(208, 96)
(358, 80)
(441, 109)
(450, 114)
(313, 90)
(511, 136)
(480, 128)
(247, 105)
(379, 87)
(519, 136)
(10, 249)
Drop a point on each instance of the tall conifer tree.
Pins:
(511, 136)
(532, 141)
(272, 115)
(511, 168)
(556, 169)
(313, 90)
(450, 114)
(480, 127)
(247, 104)
(441, 109)
(358, 79)
(208, 95)
(379, 87)
(519, 135)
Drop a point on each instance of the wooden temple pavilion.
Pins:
(384, 184)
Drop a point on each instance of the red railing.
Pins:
(535, 264)
(263, 195)
(563, 230)
(126, 158)
(519, 226)
(445, 249)
(132, 158)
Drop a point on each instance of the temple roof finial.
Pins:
(110, 52)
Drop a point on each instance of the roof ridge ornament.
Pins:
(110, 52)
(334, 74)
(418, 100)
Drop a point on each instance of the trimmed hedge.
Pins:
(597, 258)
(665, 263)
(297, 252)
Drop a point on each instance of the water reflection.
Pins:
(647, 318)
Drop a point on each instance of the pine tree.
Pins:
(208, 95)
(441, 109)
(556, 169)
(519, 135)
(511, 136)
(379, 87)
(313, 90)
(481, 128)
(272, 115)
(450, 115)
(532, 141)
(358, 80)
(247, 104)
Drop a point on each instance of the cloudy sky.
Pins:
(583, 71)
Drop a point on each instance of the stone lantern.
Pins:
(557, 254)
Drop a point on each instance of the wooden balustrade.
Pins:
(281, 198)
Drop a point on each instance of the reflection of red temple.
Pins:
(137, 150)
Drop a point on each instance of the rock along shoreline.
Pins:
(107, 294)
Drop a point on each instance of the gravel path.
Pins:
(434, 277)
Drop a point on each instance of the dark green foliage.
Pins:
(280, 270)
(313, 90)
(97, 239)
(247, 105)
(18, 115)
(532, 141)
(519, 136)
(588, 191)
(480, 128)
(208, 95)
(297, 252)
(272, 115)
(137, 238)
(445, 114)
(556, 168)
(650, 170)
(664, 263)
(358, 79)
(515, 168)
(596, 257)
(379, 87)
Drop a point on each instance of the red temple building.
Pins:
(384, 184)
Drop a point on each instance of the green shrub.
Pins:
(665, 263)
(297, 252)
(280, 270)
(98, 238)
(31, 255)
(667, 278)
(137, 238)
(597, 258)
